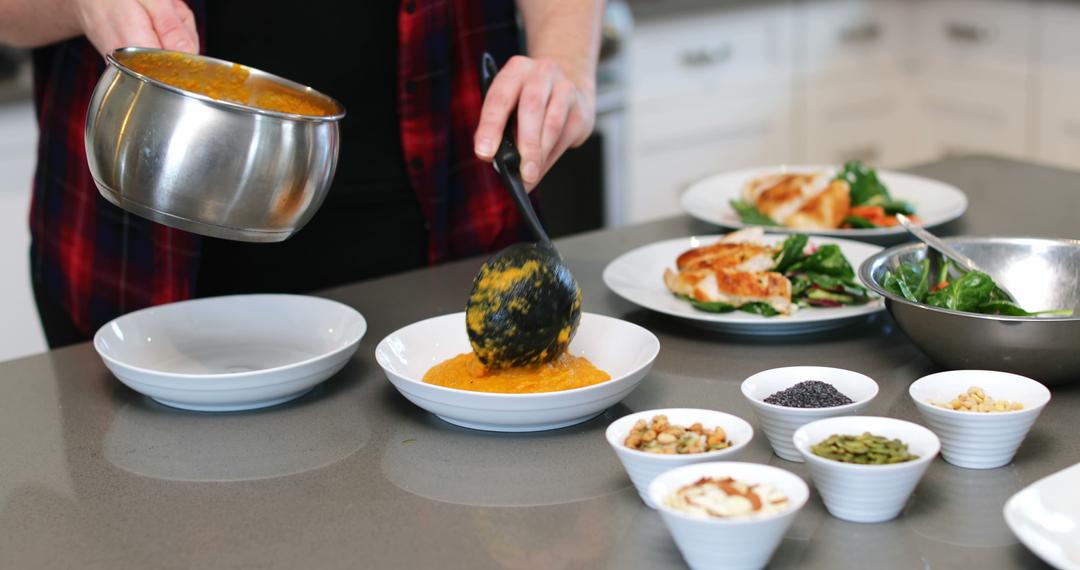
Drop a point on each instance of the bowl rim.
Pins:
(612, 437)
(866, 271)
(810, 457)
(792, 509)
(380, 349)
(336, 117)
(1044, 393)
(762, 404)
(352, 343)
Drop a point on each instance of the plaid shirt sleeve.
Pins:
(466, 207)
(98, 262)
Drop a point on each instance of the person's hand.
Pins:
(553, 114)
(112, 24)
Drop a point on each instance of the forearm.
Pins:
(32, 23)
(568, 32)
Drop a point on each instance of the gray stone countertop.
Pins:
(93, 475)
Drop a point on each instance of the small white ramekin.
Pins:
(732, 544)
(643, 467)
(979, 440)
(866, 493)
(780, 422)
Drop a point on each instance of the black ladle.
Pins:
(524, 306)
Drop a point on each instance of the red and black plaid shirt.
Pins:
(98, 261)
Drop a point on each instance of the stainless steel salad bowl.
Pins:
(1043, 274)
(205, 165)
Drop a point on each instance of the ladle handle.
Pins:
(507, 158)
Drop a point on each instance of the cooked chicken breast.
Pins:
(733, 287)
(824, 211)
(782, 195)
(721, 255)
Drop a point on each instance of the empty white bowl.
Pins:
(866, 493)
(979, 440)
(643, 467)
(623, 350)
(231, 353)
(736, 543)
(779, 422)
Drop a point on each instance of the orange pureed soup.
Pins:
(466, 372)
(226, 83)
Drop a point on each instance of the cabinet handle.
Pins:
(704, 57)
(864, 33)
(966, 32)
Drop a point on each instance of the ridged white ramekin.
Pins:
(779, 422)
(732, 544)
(979, 440)
(643, 467)
(866, 493)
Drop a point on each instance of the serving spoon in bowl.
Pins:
(931, 240)
(524, 306)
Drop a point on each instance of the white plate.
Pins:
(935, 202)
(623, 350)
(1045, 516)
(638, 277)
(230, 353)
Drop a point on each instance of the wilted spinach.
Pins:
(749, 214)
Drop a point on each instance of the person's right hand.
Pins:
(112, 24)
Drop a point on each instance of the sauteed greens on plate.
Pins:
(972, 292)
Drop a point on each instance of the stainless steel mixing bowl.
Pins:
(208, 166)
(1042, 274)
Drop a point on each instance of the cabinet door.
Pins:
(1059, 120)
(963, 117)
(988, 39)
(1058, 138)
(875, 122)
(851, 39)
(712, 137)
(709, 52)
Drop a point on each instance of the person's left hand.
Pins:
(553, 114)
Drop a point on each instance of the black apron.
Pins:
(370, 223)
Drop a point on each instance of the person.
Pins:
(412, 186)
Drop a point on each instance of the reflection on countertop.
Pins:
(152, 440)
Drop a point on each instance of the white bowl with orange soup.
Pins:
(623, 350)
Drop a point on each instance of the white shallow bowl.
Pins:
(230, 353)
(780, 423)
(866, 493)
(1045, 516)
(623, 350)
(979, 440)
(643, 467)
(731, 544)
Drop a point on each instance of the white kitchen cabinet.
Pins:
(1059, 121)
(1058, 84)
(874, 120)
(705, 54)
(963, 117)
(890, 82)
(709, 91)
(974, 39)
(853, 40)
(692, 141)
